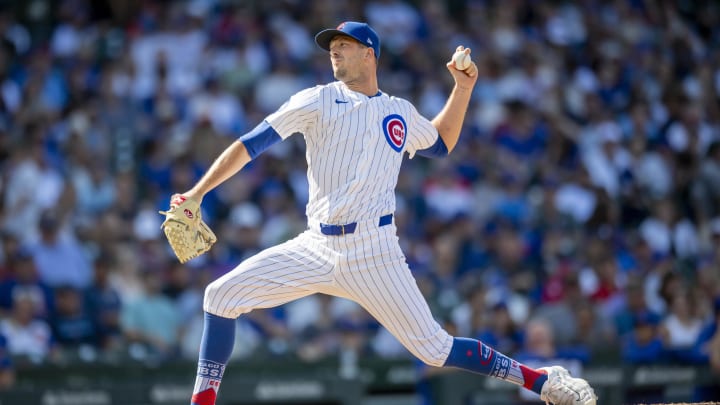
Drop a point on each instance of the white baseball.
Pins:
(462, 60)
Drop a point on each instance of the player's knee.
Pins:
(432, 354)
(212, 289)
(211, 300)
(433, 359)
(434, 349)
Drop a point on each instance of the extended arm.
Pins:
(233, 158)
(188, 235)
(449, 121)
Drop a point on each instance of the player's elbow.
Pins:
(438, 150)
(450, 142)
(449, 133)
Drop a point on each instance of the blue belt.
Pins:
(326, 229)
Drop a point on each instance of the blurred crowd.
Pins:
(578, 218)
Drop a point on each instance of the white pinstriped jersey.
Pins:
(355, 147)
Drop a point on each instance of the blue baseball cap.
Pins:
(357, 30)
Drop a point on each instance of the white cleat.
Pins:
(562, 389)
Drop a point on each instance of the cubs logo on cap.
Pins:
(395, 131)
(361, 32)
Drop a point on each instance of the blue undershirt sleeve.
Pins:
(259, 139)
(437, 150)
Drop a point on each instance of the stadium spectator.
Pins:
(94, 187)
(705, 188)
(644, 344)
(24, 279)
(708, 351)
(706, 344)
(33, 185)
(539, 347)
(73, 328)
(28, 339)
(9, 245)
(501, 331)
(59, 257)
(151, 323)
(104, 305)
(7, 369)
(635, 305)
(595, 335)
(395, 20)
(681, 327)
(715, 352)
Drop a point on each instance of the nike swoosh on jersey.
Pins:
(337, 101)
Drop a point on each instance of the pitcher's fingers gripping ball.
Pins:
(461, 60)
(185, 230)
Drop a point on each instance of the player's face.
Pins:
(348, 57)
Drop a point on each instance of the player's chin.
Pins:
(340, 73)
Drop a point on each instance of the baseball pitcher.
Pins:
(356, 136)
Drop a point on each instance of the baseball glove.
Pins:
(185, 230)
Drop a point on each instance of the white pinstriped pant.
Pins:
(367, 267)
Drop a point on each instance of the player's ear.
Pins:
(374, 58)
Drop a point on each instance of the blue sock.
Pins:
(215, 349)
(473, 355)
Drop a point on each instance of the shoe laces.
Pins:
(562, 385)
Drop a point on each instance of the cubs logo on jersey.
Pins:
(395, 131)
